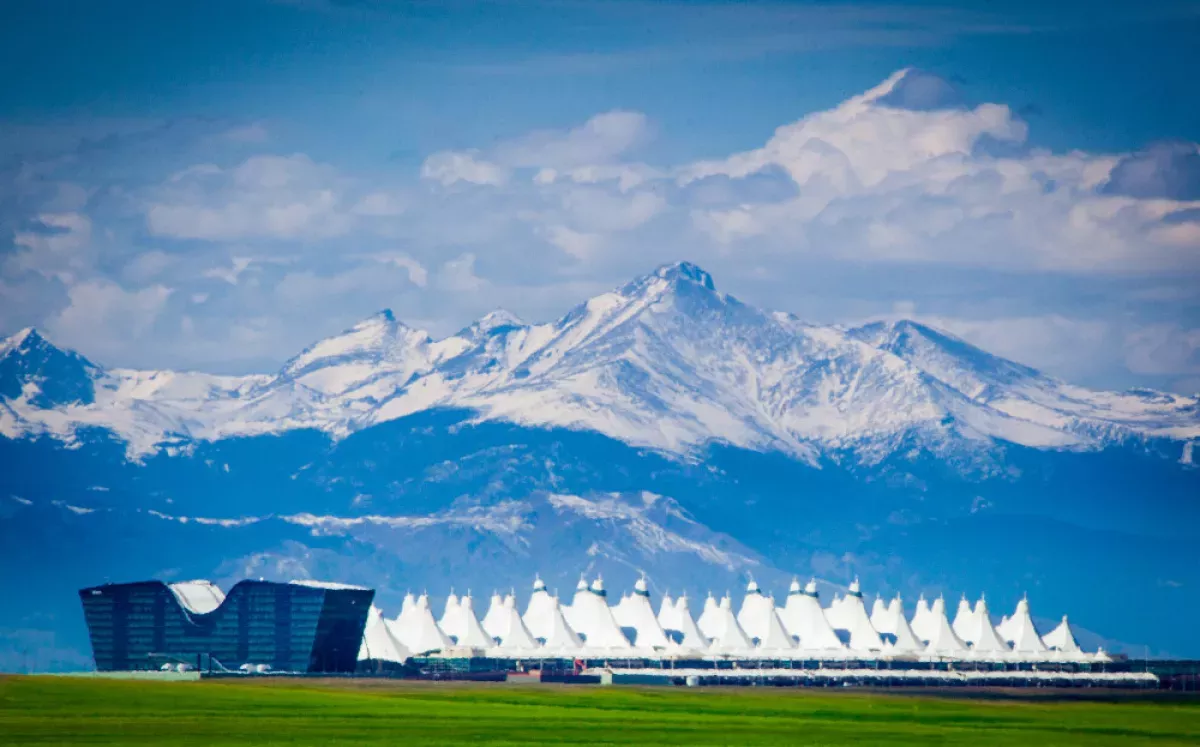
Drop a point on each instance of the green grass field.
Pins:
(60, 709)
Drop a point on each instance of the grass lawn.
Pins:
(61, 709)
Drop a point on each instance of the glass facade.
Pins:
(288, 627)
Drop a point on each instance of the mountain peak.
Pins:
(686, 271)
(23, 339)
(32, 366)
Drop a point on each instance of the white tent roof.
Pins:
(513, 635)
(906, 640)
(942, 639)
(964, 624)
(881, 618)
(804, 618)
(688, 630)
(592, 619)
(378, 643)
(539, 613)
(729, 637)
(922, 620)
(985, 638)
(1020, 631)
(561, 637)
(707, 622)
(449, 613)
(493, 621)
(635, 612)
(420, 633)
(850, 614)
(668, 616)
(1004, 628)
(776, 637)
(461, 624)
(1061, 638)
(756, 611)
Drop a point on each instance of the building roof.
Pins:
(199, 596)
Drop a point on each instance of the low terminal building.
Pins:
(299, 626)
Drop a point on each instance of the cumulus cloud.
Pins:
(458, 275)
(878, 181)
(54, 245)
(264, 197)
(98, 308)
(584, 153)
(449, 167)
(599, 140)
(833, 215)
(1164, 170)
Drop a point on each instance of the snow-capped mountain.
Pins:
(663, 427)
(665, 362)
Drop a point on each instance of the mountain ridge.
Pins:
(665, 361)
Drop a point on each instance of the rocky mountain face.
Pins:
(663, 427)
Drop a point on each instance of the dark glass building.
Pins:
(298, 627)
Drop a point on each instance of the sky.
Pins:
(215, 185)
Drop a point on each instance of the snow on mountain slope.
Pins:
(665, 362)
(1022, 394)
(638, 531)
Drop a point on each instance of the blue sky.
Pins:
(214, 185)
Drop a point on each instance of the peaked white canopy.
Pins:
(688, 632)
(729, 637)
(593, 620)
(881, 618)
(942, 639)
(539, 613)
(561, 639)
(804, 618)
(707, 622)
(850, 614)
(461, 624)
(1062, 638)
(378, 643)
(1020, 631)
(635, 612)
(514, 636)
(668, 616)
(964, 624)
(922, 620)
(985, 639)
(495, 620)
(756, 612)
(775, 639)
(449, 612)
(906, 640)
(420, 633)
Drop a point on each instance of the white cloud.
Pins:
(581, 246)
(265, 197)
(57, 248)
(102, 316)
(599, 140)
(878, 182)
(417, 273)
(450, 167)
(232, 273)
(458, 275)
(601, 211)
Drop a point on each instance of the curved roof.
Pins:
(326, 584)
(199, 596)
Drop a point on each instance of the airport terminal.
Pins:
(303, 628)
